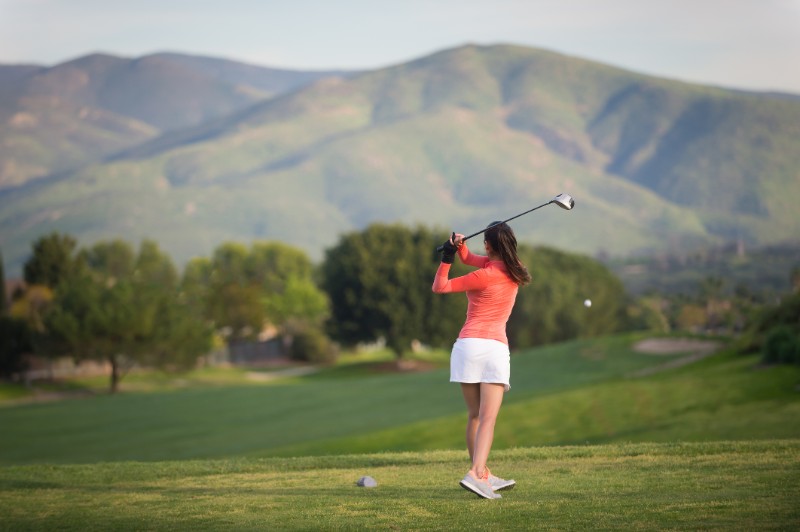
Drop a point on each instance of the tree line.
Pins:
(110, 302)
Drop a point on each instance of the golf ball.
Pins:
(587, 303)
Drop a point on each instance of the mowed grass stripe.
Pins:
(725, 397)
(238, 420)
(716, 485)
(208, 422)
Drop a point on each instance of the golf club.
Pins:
(564, 201)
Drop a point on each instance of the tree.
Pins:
(775, 331)
(647, 314)
(233, 301)
(180, 332)
(103, 321)
(379, 283)
(244, 289)
(28, 314)
(299, 300)
(3, 294)
(272, 264)
(195, 281)
(154, 268)
(52, 261)
(125, 308)
(14, 334)
(32, 307)
(14, 342)
(782, 345)
(289, 292)
(15, 338)
(179, 335)
(551, 308)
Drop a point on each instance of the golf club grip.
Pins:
(441, 248)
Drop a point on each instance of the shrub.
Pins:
(310, 344)
(782, 346)
(773, 332)
(14, 342)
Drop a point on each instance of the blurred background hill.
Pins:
(57, 118)
(195, 151)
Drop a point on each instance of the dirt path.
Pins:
(288, 372)
(696, 349)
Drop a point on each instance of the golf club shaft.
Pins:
(440, 248)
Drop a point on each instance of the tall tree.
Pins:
(114, 260)
(53, 260)
(379, 282)
(153, 267)
(125, 308)
(3, 294)
(13, 333)
(32, 306)
(14, 342)
(273, 263)
(244, 289)
(551, 308)
(195, 282)
(288, 289)
(234, 296)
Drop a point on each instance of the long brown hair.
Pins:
(501, 237)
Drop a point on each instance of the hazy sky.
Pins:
(752, 44)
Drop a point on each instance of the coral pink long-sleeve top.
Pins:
(490, 295)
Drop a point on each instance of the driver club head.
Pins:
(564, 201)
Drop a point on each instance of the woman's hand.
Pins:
(451, 247)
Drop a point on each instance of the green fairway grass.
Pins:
(724, 397)
(717, 486)
(576, 392)
(218, 449)
(241, 418)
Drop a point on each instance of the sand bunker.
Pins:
(671, 346)
(695, 349)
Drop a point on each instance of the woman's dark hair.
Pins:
(501, 237)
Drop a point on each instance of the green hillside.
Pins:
(454, 140)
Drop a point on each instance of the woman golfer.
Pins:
(480, 358)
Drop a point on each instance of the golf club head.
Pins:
(564, 201)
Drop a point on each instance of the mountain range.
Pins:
(193, 151)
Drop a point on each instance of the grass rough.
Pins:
(750, 485)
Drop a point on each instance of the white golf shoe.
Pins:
(498, 483)
(481, 487)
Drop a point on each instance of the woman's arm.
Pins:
(466, 256)
(472, 281)
(471, 259)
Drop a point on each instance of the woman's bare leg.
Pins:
(472, 397)
(491, 397)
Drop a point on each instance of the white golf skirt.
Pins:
(475, 360)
